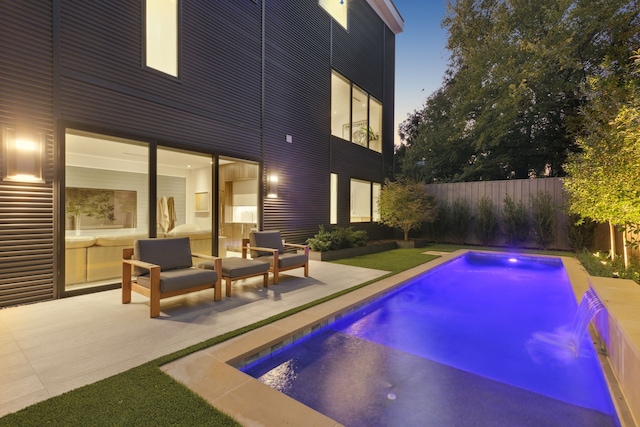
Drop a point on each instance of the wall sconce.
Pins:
(272, 186)
(22, 153)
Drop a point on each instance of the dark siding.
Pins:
(215, 103)
(26, 210)
(297, 103)
(388, 119)
(359, 52)
(302, 46)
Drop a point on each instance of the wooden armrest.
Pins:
(141, 264)
(257, 248)
(295, 245)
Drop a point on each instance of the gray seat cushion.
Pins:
(238, 267)
(172, 280)
(265, 239)
(169, 254)
(286, 260)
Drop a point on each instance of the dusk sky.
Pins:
(421, 57)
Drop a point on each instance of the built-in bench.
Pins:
(163, 268)
(96, 258)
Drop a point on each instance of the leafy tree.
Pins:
(544, 218)
(406, 205)
(511, 102)
(515, 221)
(487, 222)
(602, 178)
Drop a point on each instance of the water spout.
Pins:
(588, 308)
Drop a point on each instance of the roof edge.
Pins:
(389, 14)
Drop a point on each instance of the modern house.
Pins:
(159, 118)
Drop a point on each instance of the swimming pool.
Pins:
(477, 341)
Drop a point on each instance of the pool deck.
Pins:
(52, 347)
(211, 372)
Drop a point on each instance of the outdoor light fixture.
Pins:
(272, 186)
(22, 153)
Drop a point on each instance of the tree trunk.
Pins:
(612, 240)
(406, 235)
(624, 248)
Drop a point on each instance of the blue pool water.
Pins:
(482, 340)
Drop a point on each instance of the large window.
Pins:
(355, 115)
(364, 201)
(161, 24)
(337, 9)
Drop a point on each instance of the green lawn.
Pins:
(146, 396)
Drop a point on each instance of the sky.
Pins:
(421, 57)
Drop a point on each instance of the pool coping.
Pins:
(212, 373)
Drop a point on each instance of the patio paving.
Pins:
(52, 347)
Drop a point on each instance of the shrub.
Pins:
(460, 220)
(437, 230)
(515, 221)
(581, 233)
(339, 238)
(487, 224)
(321, 242)
(544, 219)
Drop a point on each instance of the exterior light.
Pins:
(22, 153)
(272, 186)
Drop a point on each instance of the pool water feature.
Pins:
(460, 345)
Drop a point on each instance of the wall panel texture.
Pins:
(26, 97)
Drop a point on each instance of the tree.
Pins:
(602, 181)
(406, 205)
(512, 94)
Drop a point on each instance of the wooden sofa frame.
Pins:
(153, 292)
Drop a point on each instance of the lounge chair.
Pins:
(163, 269)
(268, 246)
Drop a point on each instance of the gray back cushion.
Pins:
(265, 239)
(169, 254)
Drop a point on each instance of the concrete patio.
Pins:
(49, 348)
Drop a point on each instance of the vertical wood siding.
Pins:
(26, 97)
(518, 189)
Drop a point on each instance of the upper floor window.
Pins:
(337, 9)
(356, 115)
(161, 25)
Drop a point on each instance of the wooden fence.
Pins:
(519, 190)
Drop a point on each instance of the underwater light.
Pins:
(513, 260)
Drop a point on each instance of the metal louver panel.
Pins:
(26, 244)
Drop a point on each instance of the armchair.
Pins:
(163, 269)
(268, 246)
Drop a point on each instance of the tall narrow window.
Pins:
(375, 198)
(337, 9)
(340, 106)
(359, 128)
(162, 35)
(375, 125)
(334, 199)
